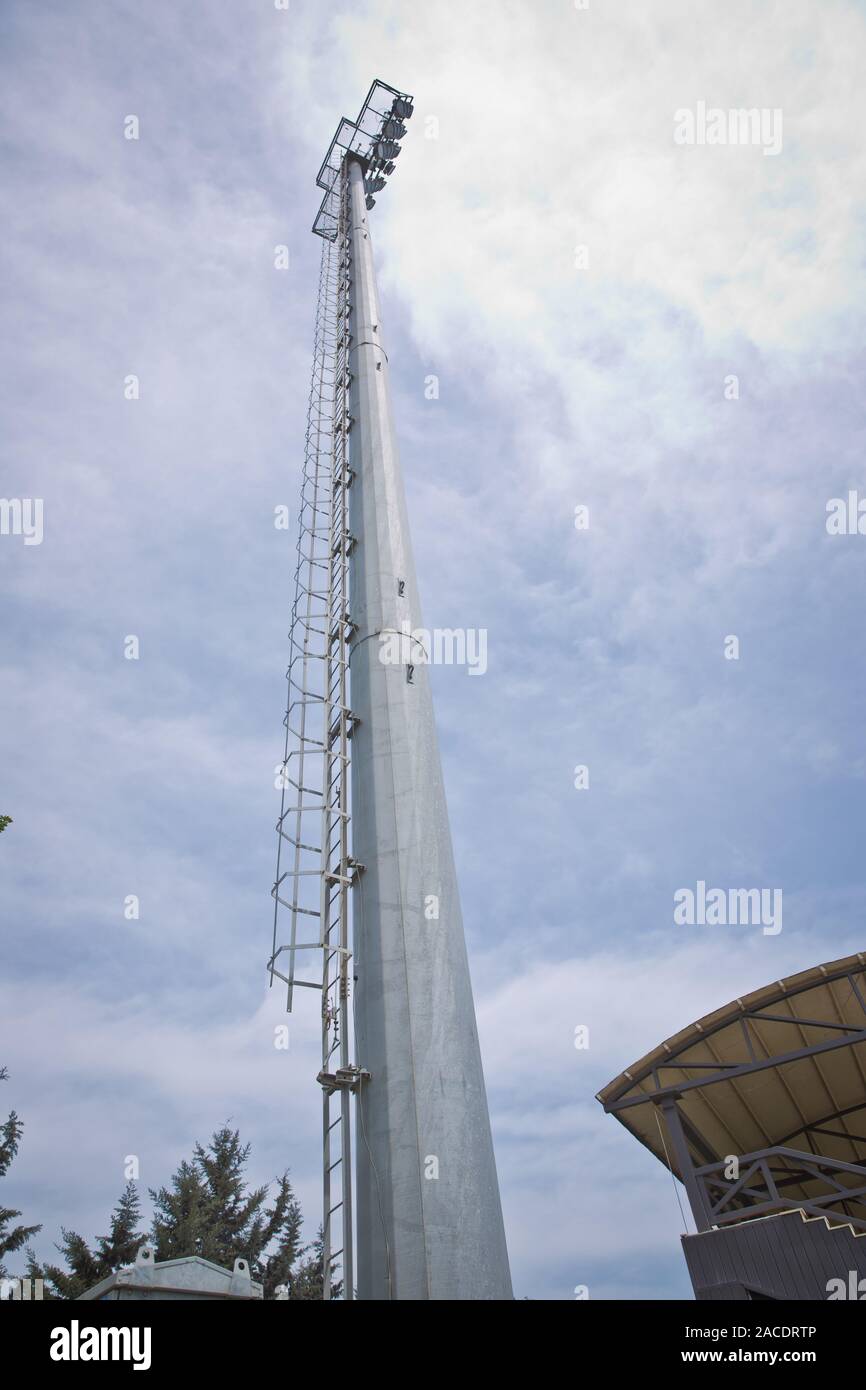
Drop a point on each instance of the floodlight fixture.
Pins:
(372, 137)
(386, 149)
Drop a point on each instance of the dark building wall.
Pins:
(780, 1257)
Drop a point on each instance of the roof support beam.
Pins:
(694, 1191)
(730, 1073)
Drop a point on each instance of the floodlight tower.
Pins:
(369, 854)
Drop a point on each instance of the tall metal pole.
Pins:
(429, 1220)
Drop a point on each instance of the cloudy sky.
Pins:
(585, 288)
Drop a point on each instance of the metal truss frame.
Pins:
(759, 1189)
(764, 1174)
(360, 137)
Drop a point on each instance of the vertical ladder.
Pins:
(314, 875)
(337, 867)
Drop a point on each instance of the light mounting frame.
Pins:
(359, 137)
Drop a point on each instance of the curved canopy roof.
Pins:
(781, 1068)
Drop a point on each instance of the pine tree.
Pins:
(208, 1211)
(10, 1138)
(123, 1244)
(234, 1226)
(308, 1281)
(180, 1215)
(284, 1222)
(87, 1267)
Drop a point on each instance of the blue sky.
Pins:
(559, 386)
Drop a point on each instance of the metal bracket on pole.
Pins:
(343, 1079)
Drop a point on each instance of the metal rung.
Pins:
(294, 906)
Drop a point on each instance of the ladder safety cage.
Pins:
(315, 872)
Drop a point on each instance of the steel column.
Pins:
(429, 1221)
(684, 1162)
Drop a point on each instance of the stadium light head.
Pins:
(386, 149)
(373, 138)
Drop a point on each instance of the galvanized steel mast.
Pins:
(429, 1221)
